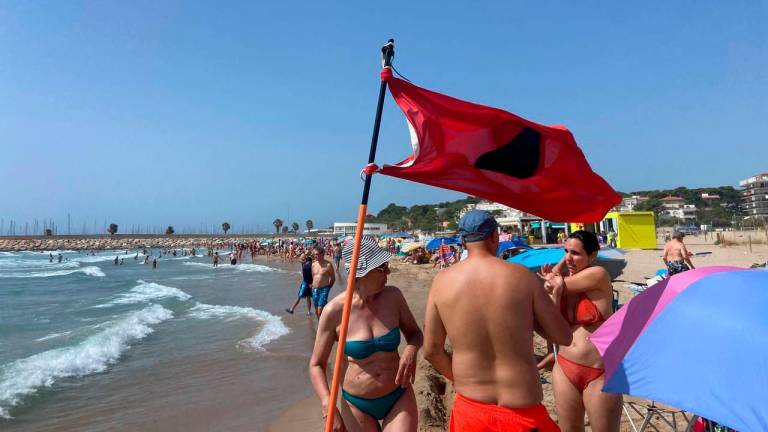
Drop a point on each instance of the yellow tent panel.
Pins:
(635, 230)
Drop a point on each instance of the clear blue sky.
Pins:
(183, 113)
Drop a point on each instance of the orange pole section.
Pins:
(345, 318)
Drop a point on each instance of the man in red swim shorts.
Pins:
(489, 309)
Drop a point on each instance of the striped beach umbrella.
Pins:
(697, 341)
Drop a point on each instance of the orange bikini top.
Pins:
(586, 312)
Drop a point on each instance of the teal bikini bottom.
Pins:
(377, 408)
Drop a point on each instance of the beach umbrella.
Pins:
(695, 341)
(510, 244)
(437, 241)
(411, 246)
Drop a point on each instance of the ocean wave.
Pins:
(5, 254)
(24, 263)
(273, 326)
(239, 267)
(93, 355)
(95, 258)
(90, 271)
(145, 292)
(53, 336)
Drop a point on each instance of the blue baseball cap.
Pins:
(477, 225)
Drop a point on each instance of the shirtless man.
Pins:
(323, 278)
(489, 309)
(676, 255)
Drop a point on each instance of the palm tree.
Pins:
(285, 229)
(48, 232)
(294, 227)
(225, 226)
(277, 223)
(169, 230)
(112, 229)
(309, 225)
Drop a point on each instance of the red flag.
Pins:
(496, 155)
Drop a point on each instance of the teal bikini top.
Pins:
(360, 349)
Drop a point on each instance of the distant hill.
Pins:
(428, 217)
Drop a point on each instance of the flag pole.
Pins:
(387, 53)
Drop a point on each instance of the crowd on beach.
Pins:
(488, 309)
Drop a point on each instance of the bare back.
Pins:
(486, 306)
(675, 250)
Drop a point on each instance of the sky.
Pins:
(194, 113)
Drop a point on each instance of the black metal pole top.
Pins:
(388, 52)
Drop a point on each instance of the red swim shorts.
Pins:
(469, 415)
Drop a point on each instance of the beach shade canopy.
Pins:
(695, 341)
(612, 260)
(437, 241)
(411, 246)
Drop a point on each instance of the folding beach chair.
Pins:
(675, 420)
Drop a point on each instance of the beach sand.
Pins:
(435, 395)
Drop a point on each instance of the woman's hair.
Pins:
(588, 240)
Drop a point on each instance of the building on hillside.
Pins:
(710, 199)
(628, 204)
(673, 206)
(349, 228)
(754, 197)
(505, 216)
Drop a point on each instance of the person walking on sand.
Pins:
(676, 255)
(323, 278)
(304, 289)
(489, 309)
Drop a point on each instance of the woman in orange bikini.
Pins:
(578, 376)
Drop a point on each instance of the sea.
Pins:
(89, 345)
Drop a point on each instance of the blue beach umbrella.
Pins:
(436, 242)
(612, 260)
(695, 341)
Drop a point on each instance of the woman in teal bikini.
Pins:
(377, 379)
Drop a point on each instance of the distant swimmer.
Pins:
(60, 257)
(136, 257)
(233, 258)
(116, 259)
(216, 259)
(146, 259)
(154, 263)
(50, 257)
(121, 261)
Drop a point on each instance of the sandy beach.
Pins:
(435, 395)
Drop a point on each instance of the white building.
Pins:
(754, 197)
(628, 204)
(348, 228)
(676, 207)
(505, 216)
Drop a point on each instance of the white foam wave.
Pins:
(95, 258)
(53, 336)
(5, 254)
(145, 292)
(239, 267)
(272, 329)
(90, 271)
(22, 263)
(23, 377)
